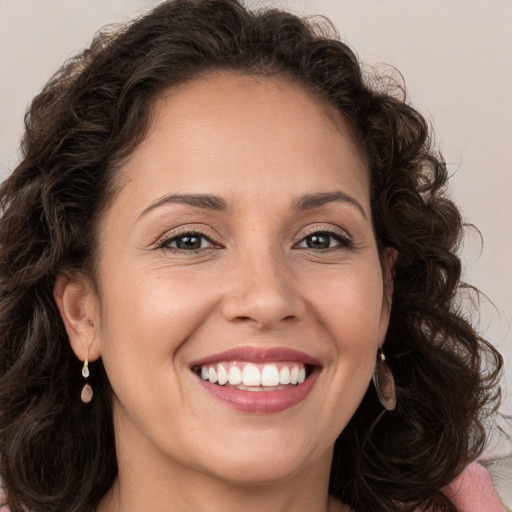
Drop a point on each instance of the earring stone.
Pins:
(85, 369)
(87, 394)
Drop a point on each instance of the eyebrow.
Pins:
(206, 201)
(310, 201)
(216, 203)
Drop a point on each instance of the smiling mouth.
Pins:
(250, 376)
(283, 377)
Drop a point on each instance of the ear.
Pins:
(388, 259)
(78, 306)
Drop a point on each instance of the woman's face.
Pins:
(240, 247)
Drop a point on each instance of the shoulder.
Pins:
(473, 491)
(3, 507)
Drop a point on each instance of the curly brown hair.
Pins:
(57, 453)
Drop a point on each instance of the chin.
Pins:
(262, 458)
(262, 470)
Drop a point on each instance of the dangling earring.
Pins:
(384, 382)
(87, 392)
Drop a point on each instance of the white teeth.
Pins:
(212, 374)
(222, 375)
(270, 375)
(251, 375)
(284, 375)
(235, 376)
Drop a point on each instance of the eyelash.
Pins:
(343, 241)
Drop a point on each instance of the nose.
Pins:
(262, 292)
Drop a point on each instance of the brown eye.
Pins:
(187, 242)
(319, 241)
(324, 240)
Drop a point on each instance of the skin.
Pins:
(260, 144)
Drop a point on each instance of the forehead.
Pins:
(229, 130)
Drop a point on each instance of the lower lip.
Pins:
(261, 402)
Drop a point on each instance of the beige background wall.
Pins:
(454, 54)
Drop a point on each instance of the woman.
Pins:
(218, 236)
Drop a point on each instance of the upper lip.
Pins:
(258, 355)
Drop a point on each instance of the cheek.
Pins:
(146, 319)
(350, 303)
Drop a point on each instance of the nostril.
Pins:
(263, 305)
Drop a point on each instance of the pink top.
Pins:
(471, 492)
